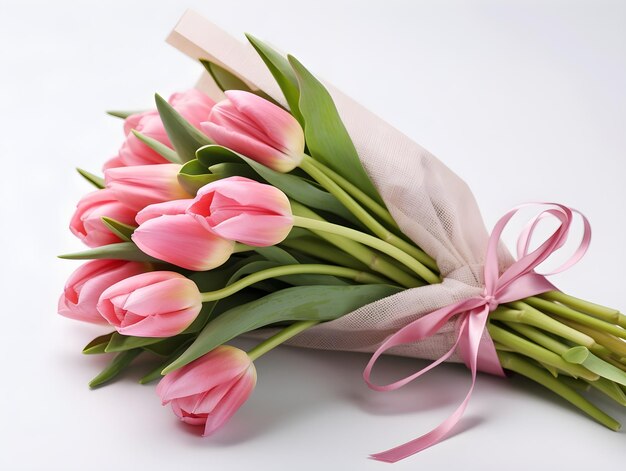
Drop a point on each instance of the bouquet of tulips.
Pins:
(269, 211)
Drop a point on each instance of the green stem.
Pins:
(601, 312)
(364, 254)
(279, 338)
(576, 316)
(612, 343)
(610, 389)
(353, 191)
(362, 215)
(417, 267)
(316, 247)
(536, 352)
(526, 314)
(518, 365)
(285, 270)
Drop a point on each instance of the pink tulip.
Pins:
(167, 233)
(86, 284)
(86, 223)
(243, 210)
(209, 390)
(142, 185)
(155, 304)
(256, 128)
(193, 105)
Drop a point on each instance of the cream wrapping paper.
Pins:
(431, 204)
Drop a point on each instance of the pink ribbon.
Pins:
(517, 282)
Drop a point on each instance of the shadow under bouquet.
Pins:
(265, 203)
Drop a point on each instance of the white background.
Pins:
(525, 100)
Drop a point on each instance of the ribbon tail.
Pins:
(473, 326)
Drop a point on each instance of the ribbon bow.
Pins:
(518, 281)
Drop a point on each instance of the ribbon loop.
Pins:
(518, 281)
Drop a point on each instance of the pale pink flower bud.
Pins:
(167, 233)
(193, 105)
(243, 210)
(154, 304)
(209, 390)
(86, 223)
(258, 129)
(87, 283)
(142, 185)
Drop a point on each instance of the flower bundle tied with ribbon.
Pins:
(265, 203)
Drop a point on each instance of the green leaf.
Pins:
(326, 136)
(582, 356)
(113, 369)
(95, 180)
(160, 148)
(167, 346)
(321, 303)
(121, 343)
(185, 138)
(123, 231)
(122, 114)
(228, 169)
(120, 251)
(226, 80)
(97, 345)
(156, 372)
(193, 175)
(297, 188)
(283, 74)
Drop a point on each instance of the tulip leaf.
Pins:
(166, 346)
(164, 151)
(121, 343)
(120, 251)
(228, 169)
(223, 78)
(320, 303)
(113, 369)
(297, 188)
(185, 138)
(226, 80)
(123, 231)
(193, 175)
(98, 344)
(95, 180)
(283, 74)
(122, 114)
(155, 373)
(326, 136)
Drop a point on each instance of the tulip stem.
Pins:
(372, 259)
(353, 191)
(362, 215)
(279, 338)
(371, 241)
(286, 270)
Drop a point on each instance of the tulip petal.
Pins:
(220, 365)
(277, 124)
(182, 241)
(160, 325)
(170, 208)
(236, 396)
(170, 295)
(256, 230)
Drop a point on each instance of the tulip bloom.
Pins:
(209, 390)
(155, 304)
(244, 210)
(142, 185)
(86, 223)
(193, 105)
(88, 282)
(256, 128)
(167, 233)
